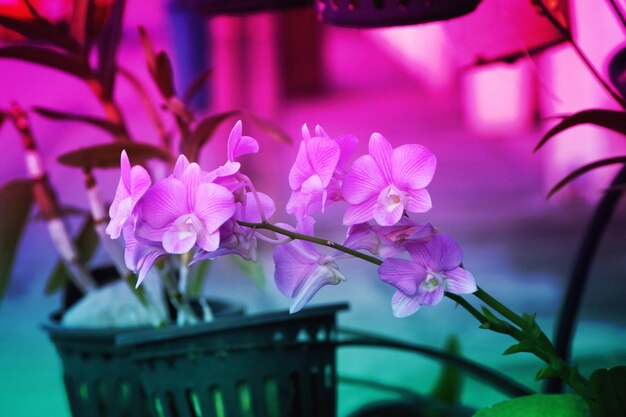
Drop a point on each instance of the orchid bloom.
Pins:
(387, 182)
(434, 268)
(184, 209)
(133, 184)
(238, 240)
(301, 271)
(315, 177)
(387, 241)
(140, 254)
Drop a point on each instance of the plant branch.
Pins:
(618, 13)
(323, 242)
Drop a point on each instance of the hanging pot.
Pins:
(383, 13)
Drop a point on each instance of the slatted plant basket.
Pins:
(267, 365)
(100, 380)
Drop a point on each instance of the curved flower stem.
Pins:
(618, 13)
(567, 35)
(323, 242)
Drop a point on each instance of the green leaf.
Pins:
(202, 133)
(545, 372)
(16, 201)
(607, 392)
(108, 155)
(69, 64)
(271, 129)
(86, 244)
(140, 293)
(539, 405)
(450, 385)
(490, 316)
(164, 75)
(195, 85)
(148, 49)
(583, 170)
(523, 346)
(103, 124)
(41, 30)
(609, 119)
(253, 270)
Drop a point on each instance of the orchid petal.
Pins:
(430, 297)
(239, 145)
(418, 201)
(381, 150)
(323, 154)
(114, 228)
(209, 241)
(389, 206)
(251, 210)
(347, 145)
(140, 182)
(460, 281)
(362, 237)
(192, 178)
(404, 275)
(214, 205)
(320, 132)
(306, 135)
(363, 181)
(181, 165)
(147, 261)
(360, 213)
(318, 278)
(297, 205)
(165, 202)
(301, 169)
(445, 253)
(413, 166)
(403, 305)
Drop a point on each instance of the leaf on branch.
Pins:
(164, 75)
(607, 392)
(41, 30)
(49, 58)
(16, 201)
(32, 9)
(523, 346)
(108, 155)
(271, 129)
(86, 243)
(450, 384)
(148, 49)
(196, 84)
(545, 373)
(583, 170)
(539, 405)
(609, 119)
(202, 133)
(103, 124)
(108, 46)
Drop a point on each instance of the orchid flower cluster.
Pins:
(204, 215)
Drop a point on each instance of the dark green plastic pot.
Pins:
(99, 378)
(265, 365)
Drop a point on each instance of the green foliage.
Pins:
(203, 131)
(539, 405)
(197, 274)
(16, 200)
(607, 392)
(609, 119)
(98, 122)
(584, 169)
(108, 155)
(86, 243)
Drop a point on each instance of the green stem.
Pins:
(323, 242)
(500, 308)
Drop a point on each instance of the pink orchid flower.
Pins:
(434, 267)
(301, 271)
(184, 210)
(133, 184)
(387, 182)
(315, 178)
(387, 241)
(238, 240)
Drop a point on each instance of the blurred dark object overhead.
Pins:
(238, 7)
(384, 13)
(506, 30)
